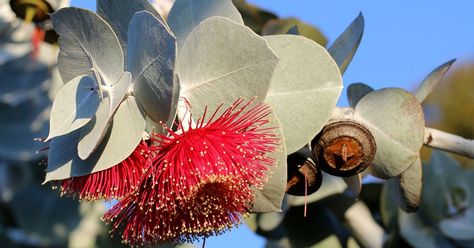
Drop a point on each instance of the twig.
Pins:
(449, 142)
(363, 226)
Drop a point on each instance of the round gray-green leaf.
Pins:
(459, 227)
(356, 91)
(95, 130)
(151, 60)
(269, 199)
(395, 119)
(74, 106)
(87, 43)
(410, 184)
(119, 13)
(221, 62)
(125, 134)
(419, 234)
(185, 15)
(304, 89)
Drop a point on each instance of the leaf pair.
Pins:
(95, 109)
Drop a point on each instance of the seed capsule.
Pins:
(300, 165)
(344, 148)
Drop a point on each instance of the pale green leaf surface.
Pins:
(281, 26)
(221, 62)
(459, 227)
(356, 91)
(270, 198)
(304, 89)
(74, 106)
(87, 43)
(119, 13)
(430, 82)
(124, 136)
(151, 60)
(185, 15)
(20, 125)
(345, 46)
(442, 174)
(410, 184)
(418, 234)
(395, 119)
(95, 130)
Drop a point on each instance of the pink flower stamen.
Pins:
(200, 180)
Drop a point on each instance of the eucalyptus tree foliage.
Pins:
(445, 214)
(99, 119)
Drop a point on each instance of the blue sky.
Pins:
(403, 41)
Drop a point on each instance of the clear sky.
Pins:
(403, 41)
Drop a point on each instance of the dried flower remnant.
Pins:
(113, 183)
(200, 181)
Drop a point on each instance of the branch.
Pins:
(363, 226)
(449, 142)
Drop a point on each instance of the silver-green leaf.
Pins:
(304, 89)
(185, 15)
(428, 84)
(151, 60)
(119, 13)
(270, 198)
(396, 120)
(221, 62)
(95, 130)
(88, 46)
(74, 106)
(125, 134)
(410, 184)
(356, 91)
(345, 46)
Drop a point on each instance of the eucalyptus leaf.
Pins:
(304, 89)
(395, 119)
(281, 26)
(51, 220)
(430, 82)
(356, 91)
(151, 60)
(21, 79)
(418, 234)
(125, 134)
(254, 17)
(293, 30)
(222, 61)
(410, 184)
(345, 46)
(441, 176)
(119, 13)
(74, 106)
(20, 126)
(87, 43)
(460, 227)
(95, 130)
(185, 15)
(354, 183)
(270, 197)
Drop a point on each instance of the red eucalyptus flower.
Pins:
(115, 182)
(199, 183)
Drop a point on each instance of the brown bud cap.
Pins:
(296, 182)
(344, 148)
